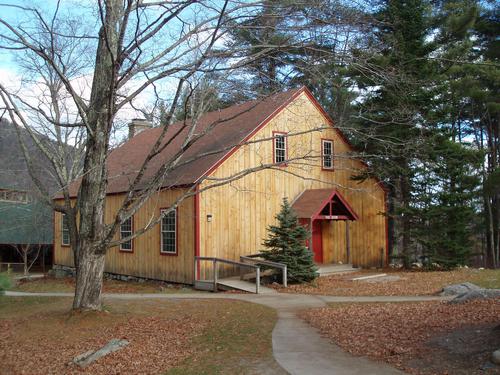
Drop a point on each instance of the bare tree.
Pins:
(85, 75)
(29, 254)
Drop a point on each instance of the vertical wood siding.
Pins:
(145, 260)
(242, 210)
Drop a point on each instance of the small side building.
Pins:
(26, 223)
(346, 217)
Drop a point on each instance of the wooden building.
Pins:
(312, 169)
(25, 220)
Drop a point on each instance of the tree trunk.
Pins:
(91, 239)
(89, 280)
(402, 225)
(25, 250)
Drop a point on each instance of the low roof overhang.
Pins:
(323, 204)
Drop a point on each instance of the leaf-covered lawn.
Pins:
(399, 333)
(408, 283)
(50, 284)
(41, 336)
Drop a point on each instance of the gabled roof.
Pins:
(235, 125)
(311, 203)
(14, 174)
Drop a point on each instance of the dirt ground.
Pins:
(396, 284)
(41, 336)
(465, 351)
(420, 338)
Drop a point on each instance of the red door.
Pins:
(317, 242)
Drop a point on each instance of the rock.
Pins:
(458, 289)
(495, 357)
(396, 265)
(417, 265)
(487, 366)
(85, 359)
(383, 279)
(476, 294)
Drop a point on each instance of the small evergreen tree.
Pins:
(286, 244)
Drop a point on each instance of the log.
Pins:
(85, 359)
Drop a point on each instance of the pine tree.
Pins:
(286, 244)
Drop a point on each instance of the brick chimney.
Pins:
(138, 125)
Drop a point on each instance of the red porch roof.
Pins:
(323, 204)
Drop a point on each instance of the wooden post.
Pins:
(285, 277)
(257, 281)
(215, 275)
(195, 269)
(348, 242)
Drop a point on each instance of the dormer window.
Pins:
(280, 145)
(327, 154)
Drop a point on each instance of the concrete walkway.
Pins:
(300, 350)
(297, 347)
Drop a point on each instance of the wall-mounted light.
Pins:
(209, 217)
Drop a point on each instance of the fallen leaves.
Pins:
(156, 343)
(409, 283)
(397, 333)
(67, 284)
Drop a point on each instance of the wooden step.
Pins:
(334, 269)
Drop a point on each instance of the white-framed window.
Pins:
(169, 232)
(126, 229)
(64, 230)
(327, 153)
(280, 147)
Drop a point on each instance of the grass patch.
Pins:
(239, 342)
(484, 278)
(41, 335)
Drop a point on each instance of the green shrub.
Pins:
(4, 282)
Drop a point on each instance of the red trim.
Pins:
(344, 202)
(317, 240)
(322, 155)
(285, 134)
(176, 233)
(318, 106)
(332, 217)
(339, 133)
(197, 230)
(255, 131)
(63, 244)
(131, 251)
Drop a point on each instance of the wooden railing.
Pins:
(8, 266)
(256, 260)
(215, 270)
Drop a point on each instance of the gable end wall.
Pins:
(243, 209)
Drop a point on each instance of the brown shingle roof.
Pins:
(234, 125)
